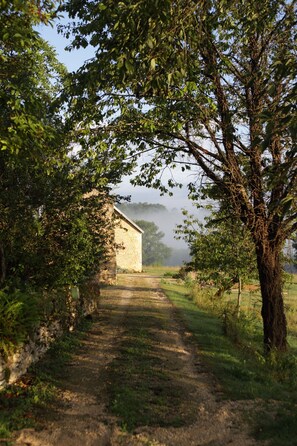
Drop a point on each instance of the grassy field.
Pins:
(160, 271)
(237, 361)
(251, 300)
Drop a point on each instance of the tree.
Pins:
(210, 85)
(29, 76)
(153, 250)
(50, 235)
(68, 238)
(137, 209)
(31, 135)
(294, 246)
(222, 250)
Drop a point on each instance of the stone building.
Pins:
(124, 247)
(128, 243)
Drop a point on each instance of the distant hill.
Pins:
(137, 209)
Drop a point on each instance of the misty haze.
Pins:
(166, 220)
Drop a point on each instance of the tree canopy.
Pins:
(137, 209)
(153, 250)
(50, 233)
(211, 85)
(221, 248)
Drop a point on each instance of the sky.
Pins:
(73, 60)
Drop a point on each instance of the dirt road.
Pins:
(138, 381)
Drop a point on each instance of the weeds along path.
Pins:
(137, 381)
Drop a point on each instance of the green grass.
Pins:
(20, 402)
(242, 372)
(279, 428)
(236, 371)
(140, 391)
(160, 270)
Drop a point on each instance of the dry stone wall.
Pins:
(78, 304)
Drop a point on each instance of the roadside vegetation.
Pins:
(22, 403)
(231, 346)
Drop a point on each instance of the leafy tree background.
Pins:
(50, 234)
(222, 251)
(53, 230)
(32, 145)
(153, 250)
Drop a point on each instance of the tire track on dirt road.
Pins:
(79, 416)
(177, 403)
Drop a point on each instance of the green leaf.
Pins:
(150, 42)
(129, 66)
(153, 64)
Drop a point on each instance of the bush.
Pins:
(21, 312)
(283, 367)
(243, 329)
(19, 316)
(203, 297)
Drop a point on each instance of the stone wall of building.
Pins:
(128, 247)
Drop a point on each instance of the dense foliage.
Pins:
(54, 182)
(51, 227)
(222, 251)
(210, 85)
(154, 252)
(30, 131)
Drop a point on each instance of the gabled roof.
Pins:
(131, 222)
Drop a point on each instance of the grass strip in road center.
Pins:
(143, 390)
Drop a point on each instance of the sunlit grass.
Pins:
(160, 270)
(239, 367)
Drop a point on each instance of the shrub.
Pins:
(242, 330)
(19, 315)
(283, 367)
(203, 297)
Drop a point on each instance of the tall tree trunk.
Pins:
(273, 315)
(2, 265)
(239, 296)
